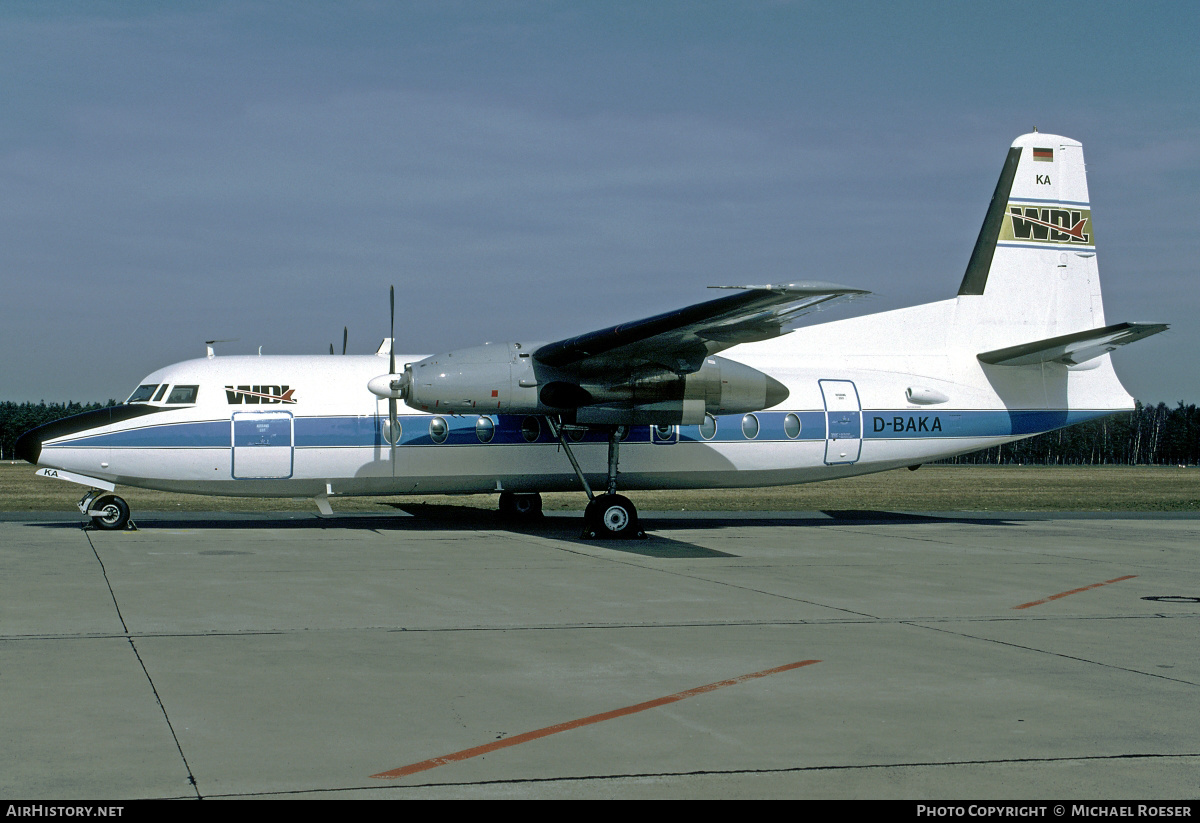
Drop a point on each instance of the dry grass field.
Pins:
(932, 488)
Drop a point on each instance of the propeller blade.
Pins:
(393, 429)
(392, 348)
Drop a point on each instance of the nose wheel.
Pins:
(109, 513)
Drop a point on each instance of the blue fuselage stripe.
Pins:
(366, 431)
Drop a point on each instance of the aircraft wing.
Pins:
(680, 340)
(1072, 349)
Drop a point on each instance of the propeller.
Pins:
(393, 385)
(345, 339)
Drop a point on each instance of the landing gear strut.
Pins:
(608, 515)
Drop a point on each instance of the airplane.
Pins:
(729, 392)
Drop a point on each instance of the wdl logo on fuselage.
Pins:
(259, 395)
(1039, 224)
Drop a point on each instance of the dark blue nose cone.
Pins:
(29, 445)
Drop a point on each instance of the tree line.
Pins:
(1148, 435)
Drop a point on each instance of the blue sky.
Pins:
(171, 173)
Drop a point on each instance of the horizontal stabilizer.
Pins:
(1072, 349)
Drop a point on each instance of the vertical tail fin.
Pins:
(1034, 263)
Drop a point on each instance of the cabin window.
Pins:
(143, 393)
(183, 394)
(161, 391)
(531, 429)
(750, 426)
(791, 426)
(576, 434)
(438, 430)
(708, 429)
(485, 429)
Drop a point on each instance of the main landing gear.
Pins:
(611, 516)
(519, 506)
(108, 512)
(608, 515)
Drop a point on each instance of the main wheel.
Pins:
(520, 505)
(114, 513)
(610, 516)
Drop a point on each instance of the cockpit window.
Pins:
(183, 394)
(143, 393)
(161, 391)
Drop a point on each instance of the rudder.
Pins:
(1034, 262)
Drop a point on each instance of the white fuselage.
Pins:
(849, 411)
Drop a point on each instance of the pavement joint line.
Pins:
(1059, 655)
(150, 680)
(306, 631)
(393, 787)
(625, 561)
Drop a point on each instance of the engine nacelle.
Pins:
(492, 378)
(720, 386)
(505, 379)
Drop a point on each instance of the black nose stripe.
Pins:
(29, 445)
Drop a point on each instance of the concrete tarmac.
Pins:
(449, 654)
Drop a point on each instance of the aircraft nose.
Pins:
(29, 446)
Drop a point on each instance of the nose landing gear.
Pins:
(108, 512)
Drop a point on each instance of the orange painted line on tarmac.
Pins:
(465, 754)
(1074, 591)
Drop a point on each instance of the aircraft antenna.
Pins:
(208, 345)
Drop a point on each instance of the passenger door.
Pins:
(262, 445)
(843, 422)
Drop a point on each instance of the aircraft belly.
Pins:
(484, 468)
